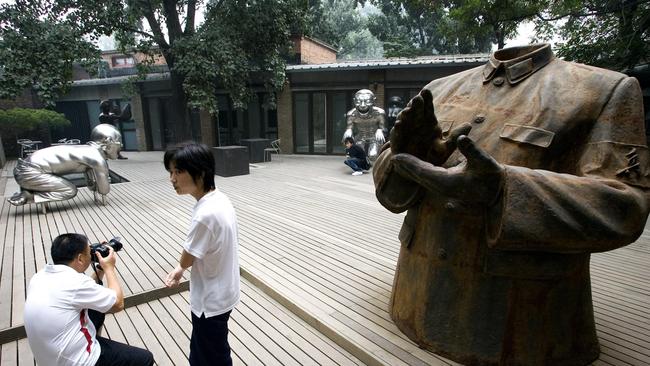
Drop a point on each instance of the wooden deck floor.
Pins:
(298, 245)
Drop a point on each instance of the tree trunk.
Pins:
(499, 36)
(180, 123)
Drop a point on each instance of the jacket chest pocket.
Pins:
(527, 135)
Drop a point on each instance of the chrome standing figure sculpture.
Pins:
(495, 247)
(40, 174)
(365, 123)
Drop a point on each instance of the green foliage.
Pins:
(419, 27)
(496, 20)
(605, 33)
(16, 121)
(249, 42)
(240, 40)
(360, 45)
(341, 24)
(37, 52)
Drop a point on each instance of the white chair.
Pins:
(27, 147)
(274, 149)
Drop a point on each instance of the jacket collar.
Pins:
(518, 62)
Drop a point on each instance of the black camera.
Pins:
(102, 248)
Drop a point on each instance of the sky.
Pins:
(526, 31)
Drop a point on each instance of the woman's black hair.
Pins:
(67, 247)
(349, 139)
(196, 159)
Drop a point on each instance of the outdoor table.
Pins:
(230, 160)
(256, 148)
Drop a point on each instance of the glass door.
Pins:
(301, 122)
(320, 121)
(340, 106)
(319, 125)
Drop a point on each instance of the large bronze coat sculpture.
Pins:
(41, 175)
(494, 263)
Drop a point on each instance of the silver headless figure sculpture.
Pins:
(365, 123)
(40, 176)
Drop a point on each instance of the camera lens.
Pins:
(102, 248)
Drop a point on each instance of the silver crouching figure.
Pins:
(365, 123)
(40, 176)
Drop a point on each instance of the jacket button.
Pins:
(498, 81)
(479, 118)
(442, 254)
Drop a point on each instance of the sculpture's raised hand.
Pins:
(478, 180)
(417, 132)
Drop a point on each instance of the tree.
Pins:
(340, 24)
(239, 40)
(39, 53)
(421, 27)
(496, 20)
(360, 45)
(604, 33)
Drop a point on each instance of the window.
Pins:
(123, 61)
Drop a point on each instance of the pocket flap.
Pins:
(527, 134)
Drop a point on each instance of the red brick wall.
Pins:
(25, 100)
(312, 52)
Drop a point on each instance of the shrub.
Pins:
(27, 123)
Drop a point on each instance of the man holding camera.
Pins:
(64, 308)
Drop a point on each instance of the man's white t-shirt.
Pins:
(213, 242)
(58, 328)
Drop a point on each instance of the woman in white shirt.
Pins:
(210, 249)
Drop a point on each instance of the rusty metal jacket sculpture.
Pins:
(494, 263)
(40, 176)
(365, 123)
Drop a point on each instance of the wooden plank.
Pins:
(138, 325)
(112, 330)
(19, 292)
(25, 356)
(309, 347)
(131, 335)
(157, 324)
(6, 277)
(9, 355)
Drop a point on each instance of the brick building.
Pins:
(309, 117)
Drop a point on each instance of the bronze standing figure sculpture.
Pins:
(527, 166)
(112, 115)
(365, 123)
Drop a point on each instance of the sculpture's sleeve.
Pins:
(100, 170)
(603, 206)
(393, 191)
